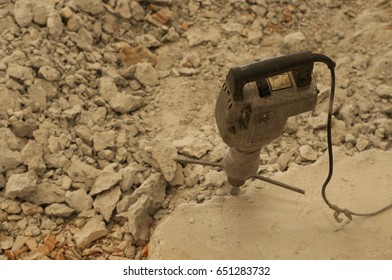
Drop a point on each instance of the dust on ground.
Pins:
(97, 97)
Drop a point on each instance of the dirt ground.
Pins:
(97, 97)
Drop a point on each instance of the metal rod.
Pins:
(279, 184)
(257, 176)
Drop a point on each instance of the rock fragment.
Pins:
(294, 41)
(384, 91)
(19, 72)
(32, 156)
(91, 231)
(30, 209)
(307, 153)
(93, 7)
(146, 74)
(125, 103)
(103, 140)
(284, 159)
(10, 206)
(23, 12)
(137, 11)
(21, 185)
(122, 8)
(362, 143)
(46, 193)
(79, 200)
(41, 12)
(155, 188)
(9, 159)
(107, 179)
(147, 40)
(164, 155)
(59, 210)
(81, 172)
(139, 219)
(106, 201)
(192, 146)
(55, 24)
(49, 73)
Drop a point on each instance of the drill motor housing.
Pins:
(254, 104)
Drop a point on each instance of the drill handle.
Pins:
(300, 63)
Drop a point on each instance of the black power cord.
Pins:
(348, 213)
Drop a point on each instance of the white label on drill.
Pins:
(279, 82)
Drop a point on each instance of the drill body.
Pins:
(254, 104)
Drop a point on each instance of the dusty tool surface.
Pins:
(266, 222)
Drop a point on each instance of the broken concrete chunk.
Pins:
(9, 159)
(55, 24)
(103, 140)
(59, 210)
(79, 200)
(40, 12)
(32, 156)
(362, 143)
(9, 138)
(24, 128)
(107, 179)
(49, 73)
(129, 176)
(124, 103)
(294, 41)
(139, 219)
(82, 173)
(164, 155)
(192, 146)
(46, 193)
(307, 153)
(10, 206)
(155, 188)
(20, 72)
(30, 209)
(21, 185)
(147, 40)
(122, 8)
(107, 88)
(106, 201)
(146, 74)
(92, 230)
(93, 7)
(23, 12)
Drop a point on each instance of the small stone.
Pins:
(10, 206)
(284, 159)
(21, 185)
(139, 219)
(179, 178)
(147, 40)
(130, 252)
(19, 242)
(103, 140)
(307, 153)
(192, 146)
(129, 177)
(350, 139)
(384, 91)
(124, 203)
(106, 201)
(32, 230)
(55, 24)
(32, 156)
(122, 8)
(49, 73)
(59, 210)
(164, 155)
(197, 36)
(19, 72)
(132, 56)
(294, 41)
(79, 200)
(320, 121)
(348, 113)
(215, 178)
(6, 242)
(9, 159)
(146, 74)
(362, 143)
(2, 181)
(107, 88)
(93, 7)
(291, 125)
(91, 231)
(137, 11)
(155, 188)
(40, 12)
(23, 12)
(125, 103)
(107, 179)
(66, 12)
(82, 173)
(46, 193)
(24, 128)
(30, 209)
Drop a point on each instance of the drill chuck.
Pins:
(240, 165)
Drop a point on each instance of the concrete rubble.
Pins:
(97, 98)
